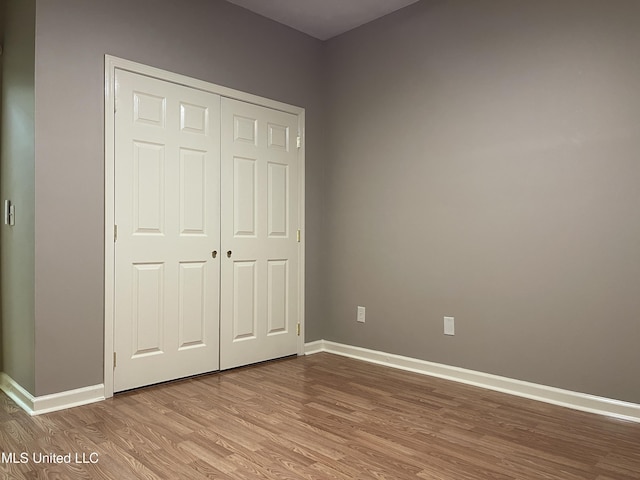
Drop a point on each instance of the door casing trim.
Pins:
(111, 65)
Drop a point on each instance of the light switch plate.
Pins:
(9, 213)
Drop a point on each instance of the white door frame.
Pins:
(111, 65)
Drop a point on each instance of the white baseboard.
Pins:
(49, 403)
(315, 347)
(565, 398)
(16, 393)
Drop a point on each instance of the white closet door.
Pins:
(167, 167)
(259, 222)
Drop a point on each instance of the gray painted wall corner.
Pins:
(483, 165)
(263, 58)
(17, 184)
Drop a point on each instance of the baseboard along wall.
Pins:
(556, 396)
(49, 403)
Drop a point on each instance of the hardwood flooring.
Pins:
(318, 417)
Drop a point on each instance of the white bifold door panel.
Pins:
(167, 212)
(259, 218)
(207, 252)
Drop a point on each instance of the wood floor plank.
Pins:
(318, 418)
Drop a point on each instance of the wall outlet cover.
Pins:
(449, 326)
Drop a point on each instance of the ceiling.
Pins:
(323, 19)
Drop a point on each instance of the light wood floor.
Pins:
(320, 417)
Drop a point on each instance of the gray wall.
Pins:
(484, 165)
(476, 159)
(207, 39)
(17, 184)
(2, 18)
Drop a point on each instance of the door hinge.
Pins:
(299, 141)
(115, 233)
(114, 359)
(298, 236)
(298, 328)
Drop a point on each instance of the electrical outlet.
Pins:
(361, 314)
(449, 326)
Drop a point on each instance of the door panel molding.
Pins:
(149, 111)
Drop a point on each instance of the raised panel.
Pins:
(244, 197)
(148, 309)
(194, 118)
(245, 314)
(278, 199)
(277, 288)
(192, 305)
(148, 186)
(245, 129)
(278, 136)
(149, 109)
(193, 206)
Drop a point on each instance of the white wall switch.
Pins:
(449, 326)
(9, 213)
(361, 314)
